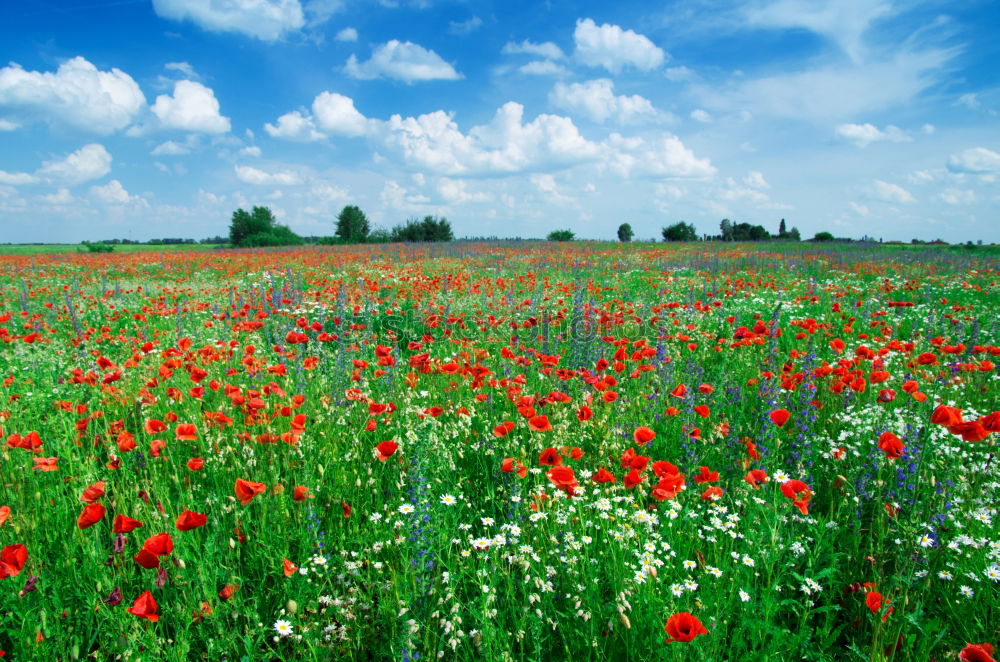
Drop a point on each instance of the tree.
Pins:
(429, 229)
(823, 236)
(747, 232)
(794, 235)
(680, 232)
(726, 228)
(625, 232)
(352, 225)
(259, 228)
(562, 235)
(782, 231)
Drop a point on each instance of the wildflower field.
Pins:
(500, 452)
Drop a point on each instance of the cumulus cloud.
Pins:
(547, 50)
(335, 113)
(193, 107)
(294, 126)
(596, 100)
(954, 196)
(976, 160)
(457, 191)
(259, 177)
(401, 60)
(863, 135)
(184, 68)
(89, 162)
(113, 193)
(613, 48)
(77, 94)
(465, 27)
(264, 19)
(700, 115)
(887, 192)
(170, 148)
(662, 157)
(16, 178)
(543, 68)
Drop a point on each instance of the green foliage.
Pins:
(747, 232)
(352, 225)
(823, 236)
(680, 231)
(726, 227)
(258, 228)
(565, 235)
(98, 247)
(429, 229)
(625, 233)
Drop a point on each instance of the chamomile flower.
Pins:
(744, 596)
(406, 509)
(966, 591)
(448, 500)
(283, 628)
(690, 565)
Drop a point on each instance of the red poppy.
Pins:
(991, 423)
(549, 458)
(189, 520)
(145, 607)
(125, 524)
(756, 478)
(799, 493)
(93, 493)
(186, 432)
(584, 414)
(669, 486)
(563, 478)
(971, 431)
(91, 515)
(706, 389)
(891, 445)
(147, 559)
(4, 514)
(603, 476)
(45, 463)
(246, 490)
(126, 442)
(680, 391)
(702, 411)
(503, 429)
(946, 416)
(779, 417)
(12, 560)
(154, 427)
(539, 424)
(385, 450)
(346, 507)
(227, 591)
(510, 465)
(609, 396)
(159, 545)
(683, 627)
(977, 653)
(671, 411)
(289, 568)
(195, 464)
(706, 476)
(712, 494)
(643, 435)
(633, 478)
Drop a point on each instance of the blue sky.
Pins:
(158, 118)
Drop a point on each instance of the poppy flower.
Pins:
(971, 431)
(946, 416)
(154, 427)
(549, 458)
(702, 411)
(539, 424)
(4, 514)
(125, 524)
(93, 493)
(189, 520)
(246, 490)
(145, 607)
(603, 476)
(45, 463)
(991, 423)
(91, 515)
(159, 545)
(609, 396)
(289, 568)
(147, 559)
(706, 389)
(662, 469)
(799, 493)
(584, 414)
(671, 411)
(510, 465)
(713, 493)
(706, 476)
(756, 478)
(227, 591)
(680, 391)
(633, 478)
(891, 445)
(186, 432)
(643, 435)
(977, 653)
(385, 450)
(563, 478)
(503, 430)
(669, 486)
(195, 464)
(12, 560)
(126, 442)
(779, 417)
(683, 627)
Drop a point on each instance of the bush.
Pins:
(259, 228)
(429, 229)
(561, 235)
(823, 236)
(680, 232)
(98, 247)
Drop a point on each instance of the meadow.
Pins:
(501, 452)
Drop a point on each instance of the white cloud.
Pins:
(862, 210)
(596, 100)
(662, 157)
(613, 48)
(547, 50)
(250, 150)
(679, 74)
(7, 125)
(887, 192)
(77, 94)
(976, 160)
(89, 162)
(543, 68)
(335, 113)
(184, 68)
(259, 177)
(700, 115)
(60, 197)
(755, 179)
(113, 193)
(954, 196)
(395, 196)
(465, 27)
(456, 191)
(970, 100)
(294, 126)
(193, 107)
(863, 135)
(843, 22)
(170, 148)
(734, 191)
(263, 19)
(403, 61)
(347, 34)
(16, 178)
